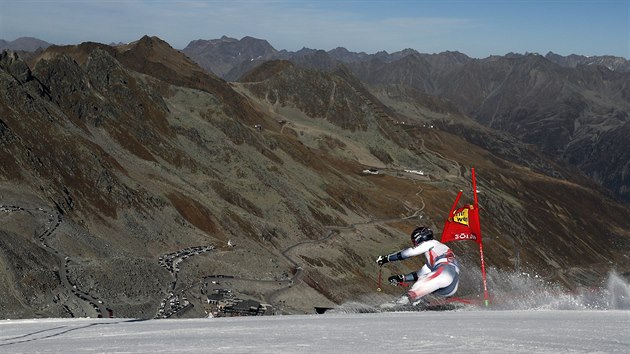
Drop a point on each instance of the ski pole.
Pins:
(380, 271)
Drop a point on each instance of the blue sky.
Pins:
(476, 28)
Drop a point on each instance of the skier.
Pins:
(439, 275)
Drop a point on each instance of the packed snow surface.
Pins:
(547, 331)
(534, 317)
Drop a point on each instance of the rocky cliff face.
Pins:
(128, 175)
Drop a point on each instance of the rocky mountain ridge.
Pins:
(609, 61)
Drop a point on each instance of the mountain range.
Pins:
(26, 44)
(573, 108)
(132, 179)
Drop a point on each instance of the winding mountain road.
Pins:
(55, 219)
(173, 305)
(332, 230)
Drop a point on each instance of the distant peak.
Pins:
(266, 70)
(150, 41)
(249, 38)
(223, 39)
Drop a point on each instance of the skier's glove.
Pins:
(381, 260)
(396, 280)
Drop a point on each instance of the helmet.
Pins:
(421, 234)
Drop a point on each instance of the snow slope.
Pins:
(537, 319)
(542, 331)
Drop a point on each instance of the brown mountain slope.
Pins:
(266, 70)
(111, 177)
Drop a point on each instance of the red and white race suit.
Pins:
(439, 275)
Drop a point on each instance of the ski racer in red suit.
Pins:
(439, 275)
